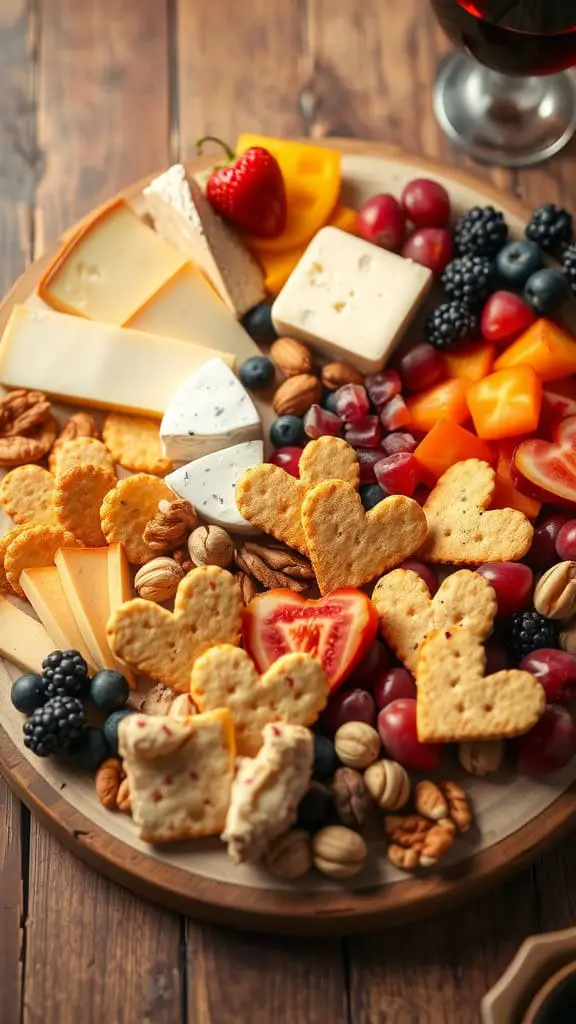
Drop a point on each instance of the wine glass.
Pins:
(508, 99)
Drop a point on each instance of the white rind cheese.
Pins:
(209, 412)
(210, 484)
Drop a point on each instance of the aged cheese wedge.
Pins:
(183, 216)
(210, 484)
(96, 364)
(83, 573)
(43, 588)
(108, 269)
(23, 640)
(209, 412)
(120, 583)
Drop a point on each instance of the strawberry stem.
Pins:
(212, 138)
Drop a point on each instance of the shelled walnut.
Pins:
(388, 784)
(357, 744)
(158, 579)
(170, 527)
(350, 797)
(211, 545)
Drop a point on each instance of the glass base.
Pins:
(497, 119)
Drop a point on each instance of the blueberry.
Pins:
(517, 261)
(288, 431)
(109, 690)
(326, 760)
(28, 693)
(89, 750)
(110, 729)
(371, 494)
(546, 290)
(258, 323)
(315, 808)
(257, 372)
(329, 401)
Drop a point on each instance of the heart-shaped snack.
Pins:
(164, 646)
(461, 530)
(347, 546)
(271, 499)
(294, 690)
(408, 614)
(457, 702)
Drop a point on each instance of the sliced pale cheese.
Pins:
(120, 584)
(43, 588)
(83, 574)
(109, 268)
(209, 412)
(23, 640)
(183, 216)
(96, 364)
(210, 484)
(188, 308)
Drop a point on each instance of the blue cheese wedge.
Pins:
(350, 299)
(210, 411)
(210, 484)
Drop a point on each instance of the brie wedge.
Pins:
(210, 484)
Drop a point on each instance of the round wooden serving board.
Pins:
(515, 817)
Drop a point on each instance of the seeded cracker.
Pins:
(407, 613)
(459, 528)
(79, 493)
(134, 442)
(294, 689)
(5, 540)
(456, 702)
(27, 494)
(80, 451)
(34, 546)
(127, 508)
(207, 611)
(348, 547)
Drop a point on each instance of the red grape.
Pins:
(319, 422)
(348, 706)
(550, 745)
(288, 459)
(425, 571)
(426, 203)
(394, 684)
(398, 474)
(397, 728)
(372, 665)
(381, 220)
(431, 247)
(555, 670)
(504, 316)
(543, 552)
(420, 367)
(367, 459)
(566, 541)
(513, 584)
(351, 402)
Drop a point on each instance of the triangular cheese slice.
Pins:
(209, 412)
(42, 587)
(183, 216)
(210, 484)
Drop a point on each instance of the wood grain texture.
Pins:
(11, 862)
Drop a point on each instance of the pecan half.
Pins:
(459, 809)
(107, 782)
(21, 411)
(80, 424)
(274, 565)
(123, 802)
(18, 450)
(248, 587)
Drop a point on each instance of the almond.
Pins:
(336, 375)
(295, 396)
(291, 357)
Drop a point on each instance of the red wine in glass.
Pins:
(507, 97)
(515, 37)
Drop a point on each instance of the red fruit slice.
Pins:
(504, 316)
(547, 469)
(338, 629)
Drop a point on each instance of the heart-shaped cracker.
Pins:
(348, 546)
(293, 690)
(408, 614)
(457, 702)
(157, 643)
(460, 530)
(270, 498)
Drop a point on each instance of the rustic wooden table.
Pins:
(93, 96)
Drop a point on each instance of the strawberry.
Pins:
(250, 193)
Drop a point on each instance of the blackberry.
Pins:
(65, 674)
(51, 729)
(529, 631)
(480, 232)
(468, 279)
(569, 265)
(450, 325)
(550, 227)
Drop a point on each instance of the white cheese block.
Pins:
(210, 484)
(209, 412)
(350, 299)
(183, 216)
(96, 364)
